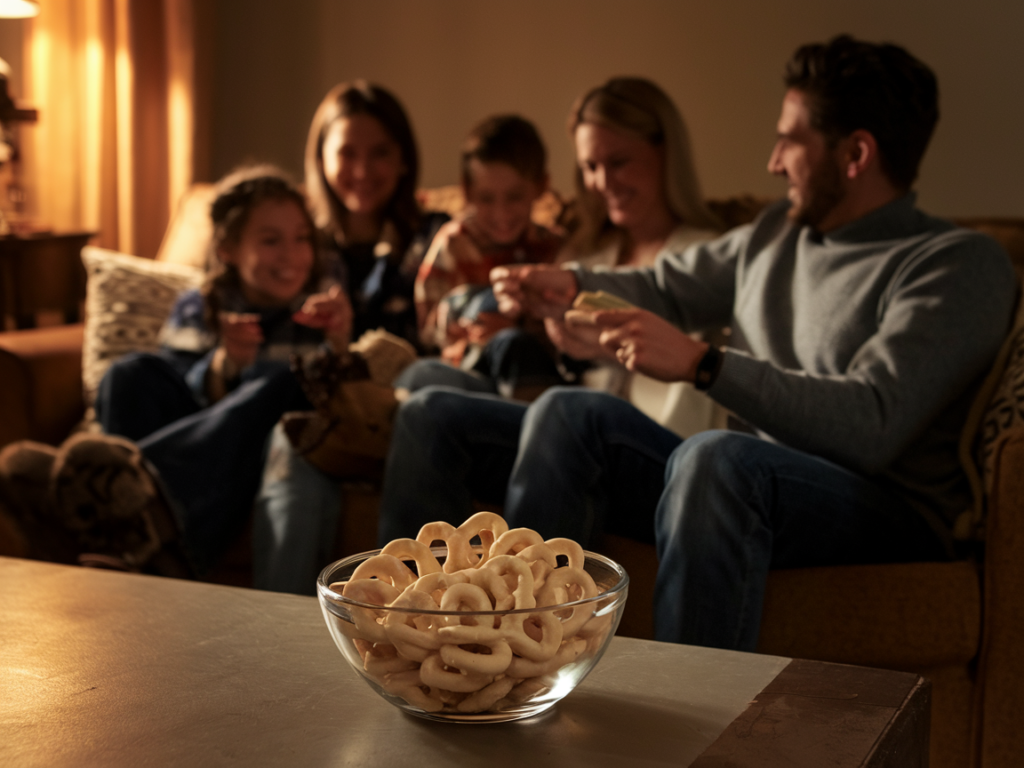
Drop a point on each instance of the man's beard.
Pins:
(824, 192)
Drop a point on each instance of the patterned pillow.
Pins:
(998, 410)
(127, 300)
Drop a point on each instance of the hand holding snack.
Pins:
(330, 312)
(646, 343)
(579, 340)
(538, 290)
(240, 336)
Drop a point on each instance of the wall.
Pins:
(454, 61)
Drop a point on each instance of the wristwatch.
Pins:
(708, 368)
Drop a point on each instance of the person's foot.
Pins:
(30, 531)
(108, 498)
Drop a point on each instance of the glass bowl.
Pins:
(471, 666)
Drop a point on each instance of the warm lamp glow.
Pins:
(18, 9)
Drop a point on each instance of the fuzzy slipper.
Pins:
(29, 527)
(109, 499)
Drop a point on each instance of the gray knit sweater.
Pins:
(862, 346)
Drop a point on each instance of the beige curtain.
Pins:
(112, 151)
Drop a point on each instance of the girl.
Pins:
(200, 410)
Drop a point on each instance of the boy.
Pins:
(503, 174)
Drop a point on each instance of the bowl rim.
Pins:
(325, 593)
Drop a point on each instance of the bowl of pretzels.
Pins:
(476, 623)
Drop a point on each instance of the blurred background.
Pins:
(254, 71)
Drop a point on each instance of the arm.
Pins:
(938, 327)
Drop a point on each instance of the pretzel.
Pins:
(566, 585)
(488, 527)
(386, 568)
(413, 636)
(460, 554)
(514, 541)
(436, 584)
(434, 674)
(410, 549)
(492, 664)
(373, 591)
(487, 696)
(508, 566)
(535, 637)
(383, 659)
(573, 552)
(568, 652)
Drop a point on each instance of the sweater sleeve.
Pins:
(692, 288)
(939, 325)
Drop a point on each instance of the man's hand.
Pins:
(536, 290)
(332, 313)
(240, 336)
(648, 344)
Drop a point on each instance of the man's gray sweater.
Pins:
(862, 346)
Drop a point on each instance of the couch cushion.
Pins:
(127, 300)
(899, 616)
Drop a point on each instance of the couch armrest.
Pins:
(1001, 666)
(42, 374)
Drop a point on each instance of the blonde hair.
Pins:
(637, 105)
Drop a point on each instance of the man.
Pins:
(859, 326)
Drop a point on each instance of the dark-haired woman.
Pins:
(362, 168)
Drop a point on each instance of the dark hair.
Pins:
(237, 196)
(880, 88)
(362, 98)
(507, 139)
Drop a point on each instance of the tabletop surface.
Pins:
(103, 668)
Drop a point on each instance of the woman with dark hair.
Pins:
(362, 168)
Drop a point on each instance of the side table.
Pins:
(42, 272)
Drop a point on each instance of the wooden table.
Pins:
(108, 669)
(42, 272)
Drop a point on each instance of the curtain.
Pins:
(112, 150)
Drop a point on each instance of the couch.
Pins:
(960, 624)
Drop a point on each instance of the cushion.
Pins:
(997, 412)
(127, 300)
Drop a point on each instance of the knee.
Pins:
(712, 455)
(427, 410)
(133, 373)
(708, 479)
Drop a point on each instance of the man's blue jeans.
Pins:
(723, 508)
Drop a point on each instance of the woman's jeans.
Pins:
(210, 459)
(723, 508)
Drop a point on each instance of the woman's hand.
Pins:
(576, 339)
(241, 337)
(648, 344)
(537, 290)
(330, 312)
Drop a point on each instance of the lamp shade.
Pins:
(18, 9)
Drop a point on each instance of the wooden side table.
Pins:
(42, 272)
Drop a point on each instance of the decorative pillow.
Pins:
(997, 411)
(127, 300)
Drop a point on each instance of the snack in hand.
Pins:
(595, 301)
